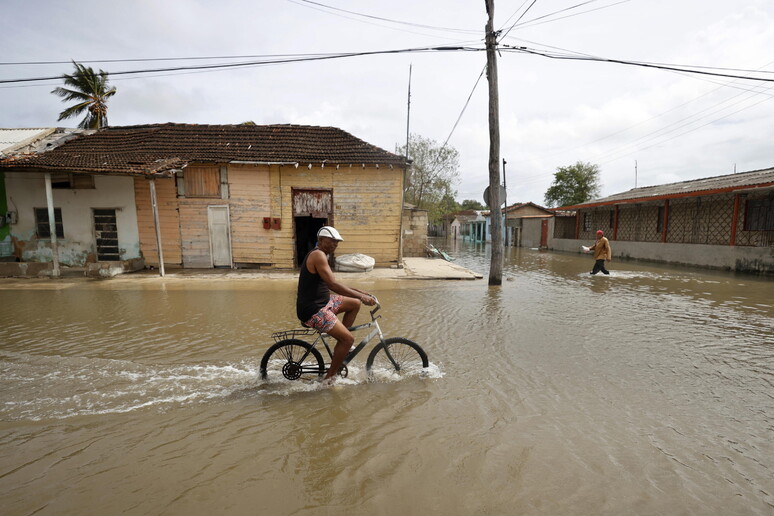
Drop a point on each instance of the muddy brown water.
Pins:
(647, 392)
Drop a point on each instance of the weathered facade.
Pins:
(526, 225)
(230, 196)
(721, 222)
(414, 231)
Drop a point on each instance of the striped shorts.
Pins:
(326, 319)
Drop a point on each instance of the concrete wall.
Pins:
(414, 233)
(26, 191)
(531, 230)
(735, 258)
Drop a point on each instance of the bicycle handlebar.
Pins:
(377, 306)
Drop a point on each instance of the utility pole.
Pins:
(405, 172)
(505, 190)
(496, 266)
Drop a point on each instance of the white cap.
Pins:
(330, 232)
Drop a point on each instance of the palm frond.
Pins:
(90, 90)
(73, 111)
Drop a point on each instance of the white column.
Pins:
(156, 225)
(52, 225)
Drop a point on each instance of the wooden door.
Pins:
(544, 233)
(220, 236)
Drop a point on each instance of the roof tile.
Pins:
(156, 148)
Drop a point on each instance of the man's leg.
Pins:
(598, 265)
(349, 307)
(604, 271)
(344, 340)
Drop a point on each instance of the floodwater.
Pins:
(650, 391)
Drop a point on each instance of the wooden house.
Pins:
(720, 222)
(217, 195)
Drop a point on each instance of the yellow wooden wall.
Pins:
(166, 197)
(366, 209)
(250, 202)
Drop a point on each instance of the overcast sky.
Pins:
(553, 112)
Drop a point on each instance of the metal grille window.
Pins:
(106, 233)
(42, 227)
(760, 215)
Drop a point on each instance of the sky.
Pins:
(641, 126)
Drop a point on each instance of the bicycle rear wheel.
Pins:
(401, 356)
(291, 359)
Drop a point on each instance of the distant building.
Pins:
(722, 222)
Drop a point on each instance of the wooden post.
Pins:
(496, 267)
(505, 223)
(52, 225)
(615, 224)
(666, 218)
(156, 224)
(577, 224)
(734, 220)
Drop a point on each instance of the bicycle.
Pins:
(293, 357)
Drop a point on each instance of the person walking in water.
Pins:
(316, 307)
(602, 252)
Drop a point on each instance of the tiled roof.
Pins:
(13, 139)
(695, 187)
(152, 149)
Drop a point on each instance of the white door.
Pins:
(220, 236)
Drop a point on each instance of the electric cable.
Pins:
(412, 24)
(319, 57)
(676, 68)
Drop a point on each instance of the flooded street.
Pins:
(650, 391)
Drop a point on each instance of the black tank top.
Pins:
(313, 293)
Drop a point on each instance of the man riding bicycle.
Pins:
(316, 307)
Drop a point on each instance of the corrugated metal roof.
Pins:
(695, 187)
(12, 139)
(158, 148)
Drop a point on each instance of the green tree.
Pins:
(434, 172)
(447, 205)
(90, 90)
(572, 185)
(471, 204)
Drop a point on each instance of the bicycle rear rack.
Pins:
(292, 334)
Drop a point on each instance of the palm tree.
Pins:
(91, 91)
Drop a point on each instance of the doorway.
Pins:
(312, 209)
(306, 236)
(544, 234)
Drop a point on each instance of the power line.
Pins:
(318, 57)
(411, 24)
(674, 68)
(514, 14)
(151, 59)
(531, 23)
(519, 18)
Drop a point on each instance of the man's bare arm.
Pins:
(319, 262)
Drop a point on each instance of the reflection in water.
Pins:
(648, 392)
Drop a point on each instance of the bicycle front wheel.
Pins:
(397, 355)
(291, 359)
